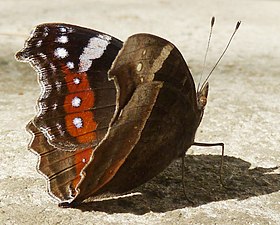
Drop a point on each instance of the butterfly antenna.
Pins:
(207, 49)
(236, 28)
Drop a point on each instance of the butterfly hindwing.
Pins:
(154, 84)
(62, 169)
(170, 128)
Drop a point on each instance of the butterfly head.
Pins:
(202, 97)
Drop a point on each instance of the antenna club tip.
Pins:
(237, 25)
(212, 21)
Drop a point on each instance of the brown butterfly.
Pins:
(96, 135)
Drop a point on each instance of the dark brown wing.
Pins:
(156, 120)
(62, 169)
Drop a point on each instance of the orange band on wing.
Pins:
(79, 77)
(86, 98)
(78, 104)
(81, 159)
(84, 131)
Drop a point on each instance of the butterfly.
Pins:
(111, 115)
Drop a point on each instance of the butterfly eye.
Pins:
(202, 101)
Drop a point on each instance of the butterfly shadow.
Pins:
(165, 192)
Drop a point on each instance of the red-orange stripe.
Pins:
(87, 102)
(69, 78)
(85, 133)
(81, 159)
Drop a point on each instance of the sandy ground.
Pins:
(242, 111)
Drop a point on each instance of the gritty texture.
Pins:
(242, 111)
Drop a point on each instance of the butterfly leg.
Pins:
(222, 157)
(183, 180)
(68, 204)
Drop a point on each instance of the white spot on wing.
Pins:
(62, 39)
(77, 80)
(60, 53)
(94, 50)
(42, 55)
(54, 106)
(139, 67)
(78, 122)
(104, 37)
(53, 67)
(70, 65)
(58, 85)
(39, 43)
(60, 130)
(76, 102)
(63, 29)
(46, 31)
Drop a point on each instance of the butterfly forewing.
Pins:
(77, 100)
